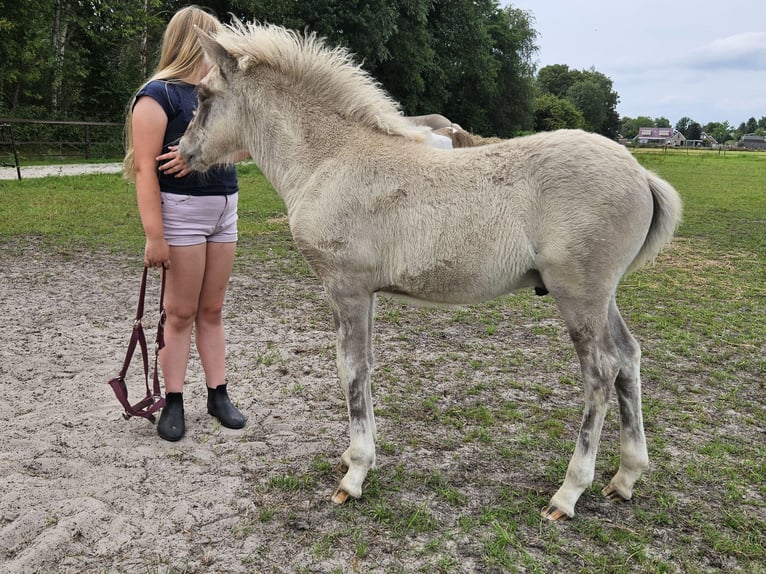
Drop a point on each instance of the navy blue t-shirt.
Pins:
(179, 100)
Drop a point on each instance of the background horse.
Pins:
(375, 209)
(459, 137)
(444, 127)
(433, 121)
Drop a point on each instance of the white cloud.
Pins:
(744, 51)
(693, 59)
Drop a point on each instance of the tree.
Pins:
(589, 91)
(411, 57)
(514, 38)
(61, 17)
(721, 131)
(555, 79)
(25, 50)
(468, 59)
(694, 131)
(463, 52)
(117, 45)
(682, 126)
(554, 113)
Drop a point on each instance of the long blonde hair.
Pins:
(180, 57)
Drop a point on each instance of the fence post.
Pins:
(13, 150)
(87, 141)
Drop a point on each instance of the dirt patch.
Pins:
(57, 170)
(85, 490)
(476, 409)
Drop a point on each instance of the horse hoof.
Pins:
(554, 513)
(340, 496)
(612, 493)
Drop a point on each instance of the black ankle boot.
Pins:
(219, 405)
(171, 426)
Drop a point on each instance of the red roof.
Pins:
(655, 133)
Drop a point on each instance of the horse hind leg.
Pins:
(634, 459)
(599, 360)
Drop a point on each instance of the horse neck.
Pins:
(289, 148)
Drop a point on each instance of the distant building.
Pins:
(708, 139)
(753, 142)
(654, 135)
(660, 136)
(677, 140)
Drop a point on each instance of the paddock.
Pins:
(459, 479)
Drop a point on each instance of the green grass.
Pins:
(699, 312)
(99, 212)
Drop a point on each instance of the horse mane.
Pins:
(329, 74)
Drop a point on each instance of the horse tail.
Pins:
(665, 219)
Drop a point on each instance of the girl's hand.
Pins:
(172, 163)
(157, 253)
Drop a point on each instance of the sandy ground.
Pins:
(48, 170)
(86, 491)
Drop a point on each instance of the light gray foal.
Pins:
(375, 209)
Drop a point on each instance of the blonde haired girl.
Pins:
(189, 219)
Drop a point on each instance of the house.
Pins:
(708, 139)
(676, 140)
(660, 136)
(753, 142)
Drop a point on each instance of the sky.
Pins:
(702, 59)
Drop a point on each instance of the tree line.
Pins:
(471, 60)
(83, 59)
(723, 132)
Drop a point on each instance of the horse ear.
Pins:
(217, 53)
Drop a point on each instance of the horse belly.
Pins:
(457, 281)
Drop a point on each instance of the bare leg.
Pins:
(182, 293)
(353, 315)
(209, 336)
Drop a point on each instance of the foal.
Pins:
(375, 209)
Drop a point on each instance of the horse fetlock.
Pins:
(355, 459)
(563, 502)
(345, 459)
(621, 485)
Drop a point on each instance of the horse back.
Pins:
(467, 225)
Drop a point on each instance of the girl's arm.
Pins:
(148, 124)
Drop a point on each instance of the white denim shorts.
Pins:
(195, 219)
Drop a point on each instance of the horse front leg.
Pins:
(353, 320)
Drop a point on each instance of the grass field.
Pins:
(699, 313)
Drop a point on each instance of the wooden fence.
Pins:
(22, 140)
